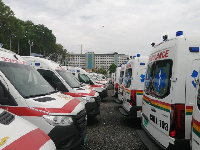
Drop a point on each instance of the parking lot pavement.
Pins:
(111, 130)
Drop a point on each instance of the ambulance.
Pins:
(134, 85)
(27, 94)
(116, 81)
(195, 132)
(121, 84)
(112, 78)
(169, 93)
(58, 76)
(18, 134)
(83, 77)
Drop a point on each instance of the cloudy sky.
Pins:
(107, 26)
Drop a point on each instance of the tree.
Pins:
(112, 68)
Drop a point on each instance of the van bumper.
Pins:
(103, 94)
(67, 137)
(133, 111)
(70, 137)
(93, 108)
(182, 144)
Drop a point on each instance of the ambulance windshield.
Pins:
(158, 76)
(69, 78)
(27, 81)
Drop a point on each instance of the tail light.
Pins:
(177, 123)
(133, 98)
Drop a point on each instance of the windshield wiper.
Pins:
(32, 96)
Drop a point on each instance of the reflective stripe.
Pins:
(39, 112)
(33, 140)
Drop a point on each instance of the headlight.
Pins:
(58, 120)
(89, 99)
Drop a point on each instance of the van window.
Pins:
(69, 78)
(50, 77)
(5, 97)
(128, 76)
(27, 81)
(198, 98)
(85, 79)
(158, 76)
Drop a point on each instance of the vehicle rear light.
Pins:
(133, 98)
(177, 123)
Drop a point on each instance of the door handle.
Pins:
(153, 109)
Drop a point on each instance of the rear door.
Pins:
(157, 100)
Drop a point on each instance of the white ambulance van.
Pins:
(54, 74)
(121, 83)
(83, 77)
(27, 94)
(112, 78)
(116, 81)
(18, 134)
(169, 94)
(134, 85)
(195, 132)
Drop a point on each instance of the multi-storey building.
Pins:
(91, 60)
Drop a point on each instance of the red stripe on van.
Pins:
(23, 111)
(92, 93)
(36, 111)
(196, 122)
(67, 108)
(72, 94)
(30, 141)
(95, 85)
(189, 107)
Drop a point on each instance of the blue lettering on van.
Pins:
(194, 75)
(160, 80)
(142, 77)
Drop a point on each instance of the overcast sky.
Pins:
(107, 26)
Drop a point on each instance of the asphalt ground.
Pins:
(111, 130)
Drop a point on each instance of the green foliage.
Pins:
(15, 34)
(112, 68)
(102, 71)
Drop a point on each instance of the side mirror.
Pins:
(61, 87)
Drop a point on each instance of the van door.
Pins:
(156, 100)
(192, 84)
(6, 99)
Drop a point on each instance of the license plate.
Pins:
(145, 122)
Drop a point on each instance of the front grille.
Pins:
(98, 100)
(80, 120)
(6, 118)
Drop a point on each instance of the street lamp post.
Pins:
(31, 44)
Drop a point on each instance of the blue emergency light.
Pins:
(194, 49)
(134, 56)
(78, 70)
(138, 55)
(37, 64)
(179, 33)
(142, 64)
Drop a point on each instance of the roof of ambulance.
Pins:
(44, 63)
(4, 53)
